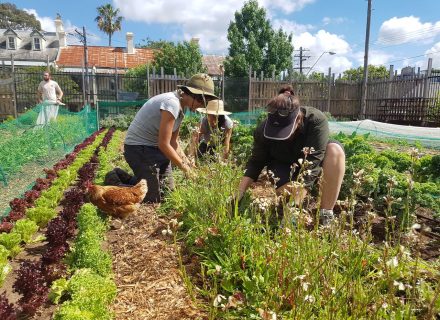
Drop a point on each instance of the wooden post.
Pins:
(427, 80)
(14, 91)
(329, 97)
(94, 87)
(148, 81)
(116, 79)
(250, 90)
(12, 63)
(426, 88)
(390, 81)
(83, 84)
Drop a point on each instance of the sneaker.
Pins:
(326, 217)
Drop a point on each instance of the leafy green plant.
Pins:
(26, 228)
(91, 294)
(41, 215)
(11, 241)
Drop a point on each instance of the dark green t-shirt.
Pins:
(314, 132)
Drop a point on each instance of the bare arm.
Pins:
(227, 142)
(167, 143)
(59, 92)
(245, 183)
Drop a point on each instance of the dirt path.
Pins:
(147, 271)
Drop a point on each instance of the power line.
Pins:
(302, 58)
(413, 57)
(403, 36)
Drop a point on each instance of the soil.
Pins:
(147, 273)
(20, 181)
(32, 252)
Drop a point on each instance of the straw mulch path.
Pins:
(147, 273)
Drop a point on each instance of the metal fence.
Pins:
(417, 95)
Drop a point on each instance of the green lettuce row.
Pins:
(91, 288)
(45, 206)
(108, 155)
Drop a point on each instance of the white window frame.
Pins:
(9, 43)
(39, 44)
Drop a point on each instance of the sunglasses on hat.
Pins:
(281, 112)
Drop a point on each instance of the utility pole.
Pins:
(83, 39)
(302, 58)
(365, 79)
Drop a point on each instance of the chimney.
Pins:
(60, 31)
(195, 40)
(130, 45)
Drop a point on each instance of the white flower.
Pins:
(392, 262)
(301, 277)
(218, 300)
(305, 286)
(218, 269)
(400, 285)
(416, 226)
(164, 232)
(309, 298)
(300, 161)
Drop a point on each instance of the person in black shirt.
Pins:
(279, 144)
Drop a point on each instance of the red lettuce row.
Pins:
(34, 279)
(19, 205)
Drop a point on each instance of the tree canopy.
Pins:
(185, 56)
(254, 43)
(374, 72)
(108, 20)
(14, 18)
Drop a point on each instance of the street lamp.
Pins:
(329, 52)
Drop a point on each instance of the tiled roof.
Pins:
(212, 63)
(103, 57)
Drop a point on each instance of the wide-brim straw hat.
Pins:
(200, 83)
(215, 107)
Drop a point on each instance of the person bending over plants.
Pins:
(151, 144)
(215, 128)
(294, 139)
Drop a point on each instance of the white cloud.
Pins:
(290, 26)
(338, 20)
(375, 57)
(323, 42)
(207, 20)
(434, 53)
(407, 29)
(47, 23)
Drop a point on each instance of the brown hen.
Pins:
(118, 202)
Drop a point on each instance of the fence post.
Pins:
(94, 86)
(329, 95)
(250, 90)
(148, 81)
(116, 79)
(14, 91)
(426, 90)
(390, 81)
(83, 84)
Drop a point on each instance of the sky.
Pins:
(403, 32)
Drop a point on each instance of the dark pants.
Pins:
(150, 163)
(204, 149)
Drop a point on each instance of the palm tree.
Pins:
(108, 20)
